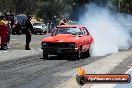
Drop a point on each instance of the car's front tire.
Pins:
(45, 55)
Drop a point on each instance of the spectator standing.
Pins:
(12, 24)
(65, 20)
(18, 28)
(3, 33)
(29, 27)
(9, 32)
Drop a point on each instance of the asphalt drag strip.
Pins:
(33, 72)
(57, 72)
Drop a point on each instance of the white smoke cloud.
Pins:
(108, 30)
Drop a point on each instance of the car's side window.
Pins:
(85, 32)
(82, 31)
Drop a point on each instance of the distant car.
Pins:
(39, 28)
(19, 24)
(22, 19)
(68, 40)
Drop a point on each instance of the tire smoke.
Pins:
(109, 30)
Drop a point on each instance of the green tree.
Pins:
(51, 10)
(124, 6)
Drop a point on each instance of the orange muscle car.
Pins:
(69, 40)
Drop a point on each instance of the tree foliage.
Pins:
(57, 9)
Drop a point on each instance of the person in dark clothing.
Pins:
(9, 33)
(12, 26)
(28, 29)
(65, 20)
(18, 28)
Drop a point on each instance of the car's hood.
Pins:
(62, 38)
(37, 26)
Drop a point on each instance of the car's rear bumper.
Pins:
(59, 50)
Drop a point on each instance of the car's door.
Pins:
(86, 39)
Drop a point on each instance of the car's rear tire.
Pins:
(87, 54)
(45, 55)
